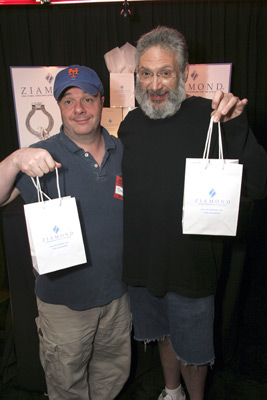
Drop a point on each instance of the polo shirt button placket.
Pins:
(87, 155)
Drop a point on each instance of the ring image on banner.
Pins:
(41, 132)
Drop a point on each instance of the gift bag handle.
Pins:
(40, 193)
(208, 141)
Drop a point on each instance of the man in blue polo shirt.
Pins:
(84, 319)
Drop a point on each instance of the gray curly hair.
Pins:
(168, 39)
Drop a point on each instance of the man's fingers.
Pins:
(35, 162)
(227, 106)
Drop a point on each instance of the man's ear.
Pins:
(186, 72)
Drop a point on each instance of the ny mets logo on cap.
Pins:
(73, 73)
(79, 76)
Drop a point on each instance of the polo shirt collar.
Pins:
(109, 143)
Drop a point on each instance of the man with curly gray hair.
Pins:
(170, 41)
(172, 277)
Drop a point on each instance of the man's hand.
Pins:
(31, 161)
(226, 106)
(34, 162)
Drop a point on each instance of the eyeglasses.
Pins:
(163, 76)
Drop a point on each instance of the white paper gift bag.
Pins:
(122, 90)
(54, 233)
(211, 193)
(121, 65)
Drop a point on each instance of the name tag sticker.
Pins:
(118, 188)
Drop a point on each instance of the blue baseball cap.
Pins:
(78, 76)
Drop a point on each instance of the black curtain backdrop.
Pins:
(216, 31)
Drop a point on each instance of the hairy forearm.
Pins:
(8, 172)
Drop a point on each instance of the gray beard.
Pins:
(172, 105)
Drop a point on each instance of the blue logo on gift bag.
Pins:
(56, 229)
(212, 200)
(212, 193)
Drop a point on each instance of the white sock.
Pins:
(174, 392)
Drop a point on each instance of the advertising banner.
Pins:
(37, 113)
(38, 116)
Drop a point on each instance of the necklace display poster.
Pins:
(204, 79)
(37, 113)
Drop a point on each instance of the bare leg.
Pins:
(194, 376)
(170, 364)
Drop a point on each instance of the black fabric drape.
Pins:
(216, 31)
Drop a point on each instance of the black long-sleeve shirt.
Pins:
(156, 253)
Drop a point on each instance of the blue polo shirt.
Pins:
(99, 281)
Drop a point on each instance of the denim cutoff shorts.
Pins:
(187, 322)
